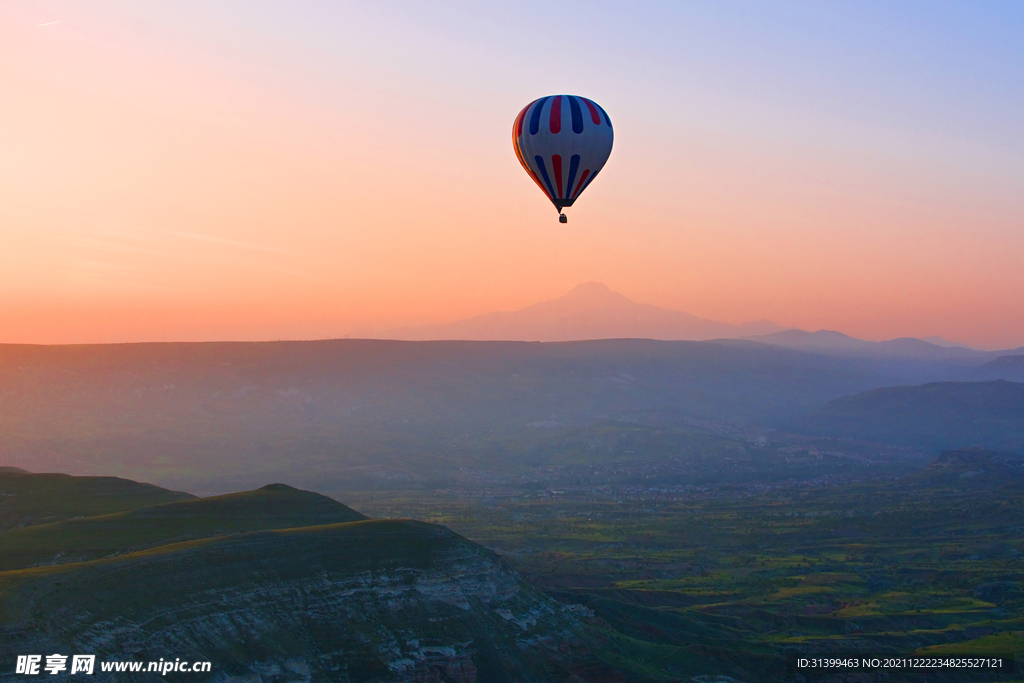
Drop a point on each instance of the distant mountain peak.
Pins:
(590, 310)
(592, 286)
(594, 290)
(588, 295)
(281, 488)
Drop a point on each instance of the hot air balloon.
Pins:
(562, 141)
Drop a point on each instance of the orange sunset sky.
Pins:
(265, 170)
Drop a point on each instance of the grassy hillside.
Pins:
(278, 580)
(272, 507)
(940, 415)
(129, 586)
(39, 498)
(360, 601)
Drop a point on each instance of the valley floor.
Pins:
(729, 580)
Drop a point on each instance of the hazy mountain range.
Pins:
(593, 311)
(306, 412)
(834, 343)
(359, 412)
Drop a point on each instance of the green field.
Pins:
(728, 580)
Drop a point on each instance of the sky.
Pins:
(204, 170)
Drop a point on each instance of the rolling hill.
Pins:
(27, 498)
(940, 415)
(363, 601)
(1004, 367)
(275, 506)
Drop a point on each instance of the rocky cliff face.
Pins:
(365, 601)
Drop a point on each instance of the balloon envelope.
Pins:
(562, 141)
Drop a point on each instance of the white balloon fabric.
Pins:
(562, 141)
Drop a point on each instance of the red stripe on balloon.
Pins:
(556, 162)
(583, 179)
(556, 114)
(593, 111)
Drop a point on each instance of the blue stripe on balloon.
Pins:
(544, 173)
(577, 115)
(589, 180)
(535, 117)
(605, 114)
(574, 165)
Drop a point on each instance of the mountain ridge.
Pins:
(832, 342)
(27, 498)
(275, 506)
(1009, 367)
